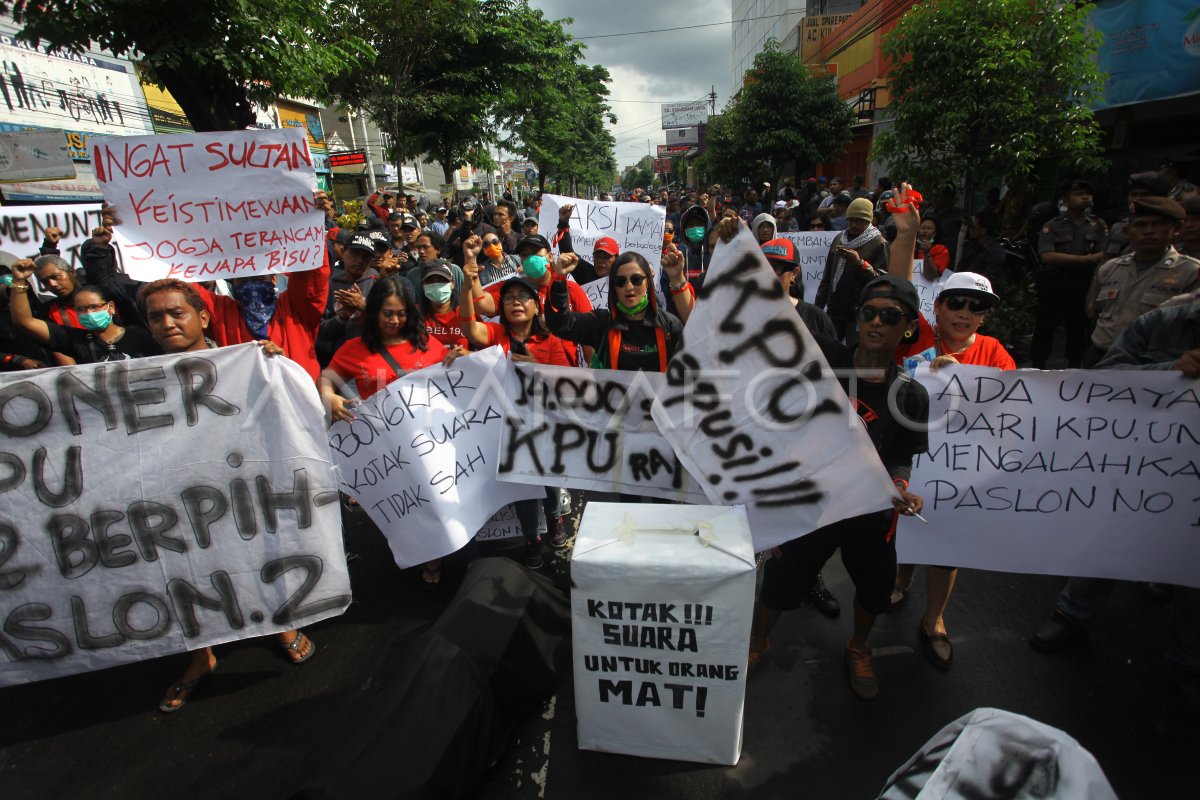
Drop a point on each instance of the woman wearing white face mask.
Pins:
(437, 303)
(101, 338)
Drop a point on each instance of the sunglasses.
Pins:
(636, 280)
(490, 242)
(958, 302)
(888, 315)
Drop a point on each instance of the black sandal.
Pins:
(295, 646)
(182, 691)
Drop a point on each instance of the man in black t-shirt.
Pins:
(894, 409)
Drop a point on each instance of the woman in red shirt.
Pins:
(959, 311)
(437, 306)
(522, 334)
(394, 342)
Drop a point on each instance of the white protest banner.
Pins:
(813, 249)
(1091, 473)
(22, 229)
(928, 290)
(661, 602)
(505, 525)
(420, 455)
(756, 415)
(202, 206)
(589, 429)
(160, 505)
(635, 226)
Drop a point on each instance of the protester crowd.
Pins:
(411, 287)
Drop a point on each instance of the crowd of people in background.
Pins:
(408, 286)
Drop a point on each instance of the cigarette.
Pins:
(918, 516)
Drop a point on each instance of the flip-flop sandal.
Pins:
(296, 645)
(182, 691)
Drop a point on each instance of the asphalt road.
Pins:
(262, 728)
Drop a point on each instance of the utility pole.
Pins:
(712, 101)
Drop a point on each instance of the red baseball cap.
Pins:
(781, 250)
(607, 244)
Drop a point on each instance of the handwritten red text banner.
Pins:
(212, 205)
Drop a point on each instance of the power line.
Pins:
(686, 27)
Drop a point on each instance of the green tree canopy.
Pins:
(785, 112)
(990, 87)
(218, 58)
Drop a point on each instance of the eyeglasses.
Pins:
(669, 230)
(781, 267)
(386, 314)
(490, 242)
(518, 298)
(91, 308)
(958, 302)
(636, 280)
(888, 315)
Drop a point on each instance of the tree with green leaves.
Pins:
(990, 87)
(217, 58)
(786, 112)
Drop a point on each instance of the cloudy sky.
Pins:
(651, 68)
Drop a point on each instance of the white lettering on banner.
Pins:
(754, 412)
(589, 429)
(661, 604)
(1091, 473)
(635, 226)
(22, 229)
(202, 206)
(149, 509)
(420, 456)
(813, 249)
(928, 290)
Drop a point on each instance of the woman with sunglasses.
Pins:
(495, 263)
(954, 338)
(522, 334)
(394, 342)
(632, 333)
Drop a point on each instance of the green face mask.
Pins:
(636, 308)
(534, 266)
(694, 235)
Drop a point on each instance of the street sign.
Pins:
(530, 175)
(348, 158)
(684, 115)
(668, 150)
(662, 165)
(683, 136)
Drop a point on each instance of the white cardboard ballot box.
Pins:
(661, 605)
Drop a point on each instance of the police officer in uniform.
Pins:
(1152, 273)
(1141, 185)
(1070, 248)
